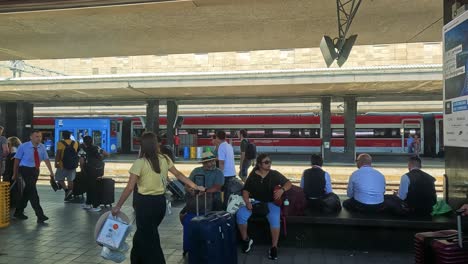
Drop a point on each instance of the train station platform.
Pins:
(68, 238)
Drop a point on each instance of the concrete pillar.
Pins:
(325, 128)
(152, 116)
(350, 110)
(17, 119)
(172, 112)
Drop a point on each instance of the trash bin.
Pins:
(4, 204)
(186, 153)
(199, 152)
(193, 152)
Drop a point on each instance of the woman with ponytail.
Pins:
(150, 174)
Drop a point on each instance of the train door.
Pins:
(439, 130)
(98, 138)
(137, 130)
(411, 127)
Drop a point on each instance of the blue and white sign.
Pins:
(455, 38)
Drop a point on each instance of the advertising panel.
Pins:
(455, 36)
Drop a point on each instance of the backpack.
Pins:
(250, 151)
(70, 156)
(94, 163)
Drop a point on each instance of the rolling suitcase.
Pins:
(177, 189)
(106, 189)
(423, 253)
(452, 250)
(212, 238)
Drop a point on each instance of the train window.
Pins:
(281, 133)
(364, 133)
(183, 132)
(337, 133)
(256, 133)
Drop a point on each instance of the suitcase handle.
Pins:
(459, 227)
(197, 194)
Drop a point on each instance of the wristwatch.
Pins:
(282, 188)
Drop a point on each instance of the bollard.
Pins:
(186, 153)
(199, 152)
(4, 204)
(193, 152)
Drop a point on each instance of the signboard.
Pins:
(455, 36)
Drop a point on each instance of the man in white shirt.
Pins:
(226, 163)
(366, 187)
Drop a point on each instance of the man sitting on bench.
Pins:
(417, 189)
(366, 187)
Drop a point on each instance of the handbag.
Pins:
(260, 209)
(330, 203)
(235, 202)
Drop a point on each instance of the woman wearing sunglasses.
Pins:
(260, 186)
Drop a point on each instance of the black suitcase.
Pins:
(106, 191)
(177, 189)
(79, 184)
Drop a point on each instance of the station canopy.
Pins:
(84, 29)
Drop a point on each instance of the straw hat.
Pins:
(207, 156)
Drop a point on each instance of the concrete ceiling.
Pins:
(202, 26)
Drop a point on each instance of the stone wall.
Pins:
(304, 58)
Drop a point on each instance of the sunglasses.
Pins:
(266, 162)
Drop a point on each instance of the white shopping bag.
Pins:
(234, 203)
(113, 233)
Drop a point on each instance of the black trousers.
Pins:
(150, 211)
(91, 187)
(356, 206)
(227, 189)
(29, 175)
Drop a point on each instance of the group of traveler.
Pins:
(262, 191)
(21, 162)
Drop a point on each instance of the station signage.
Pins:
(455, 37)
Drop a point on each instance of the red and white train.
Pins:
(375, 133)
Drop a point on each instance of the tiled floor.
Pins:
(68, 238)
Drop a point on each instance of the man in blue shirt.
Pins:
(27, 163)
(366, 187)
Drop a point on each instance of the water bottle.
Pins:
(286, 202)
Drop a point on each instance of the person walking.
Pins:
(27, 163)
(150, 173)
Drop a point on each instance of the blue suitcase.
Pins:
(212, 238)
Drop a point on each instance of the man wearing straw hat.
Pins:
(212, 179)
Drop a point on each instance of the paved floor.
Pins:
(68, 238)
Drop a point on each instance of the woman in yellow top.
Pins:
(149, 172)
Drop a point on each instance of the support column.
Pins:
(350, 110)
(325, 128)
(17, 119)
(172, 112)
(152, 116)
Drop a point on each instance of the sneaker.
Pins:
(247, 245)
(68, 195)
(97, 209)
(20, 216)
(273, 253)
(86, 206)
(42, 219)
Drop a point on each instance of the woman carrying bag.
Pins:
(149, 173)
